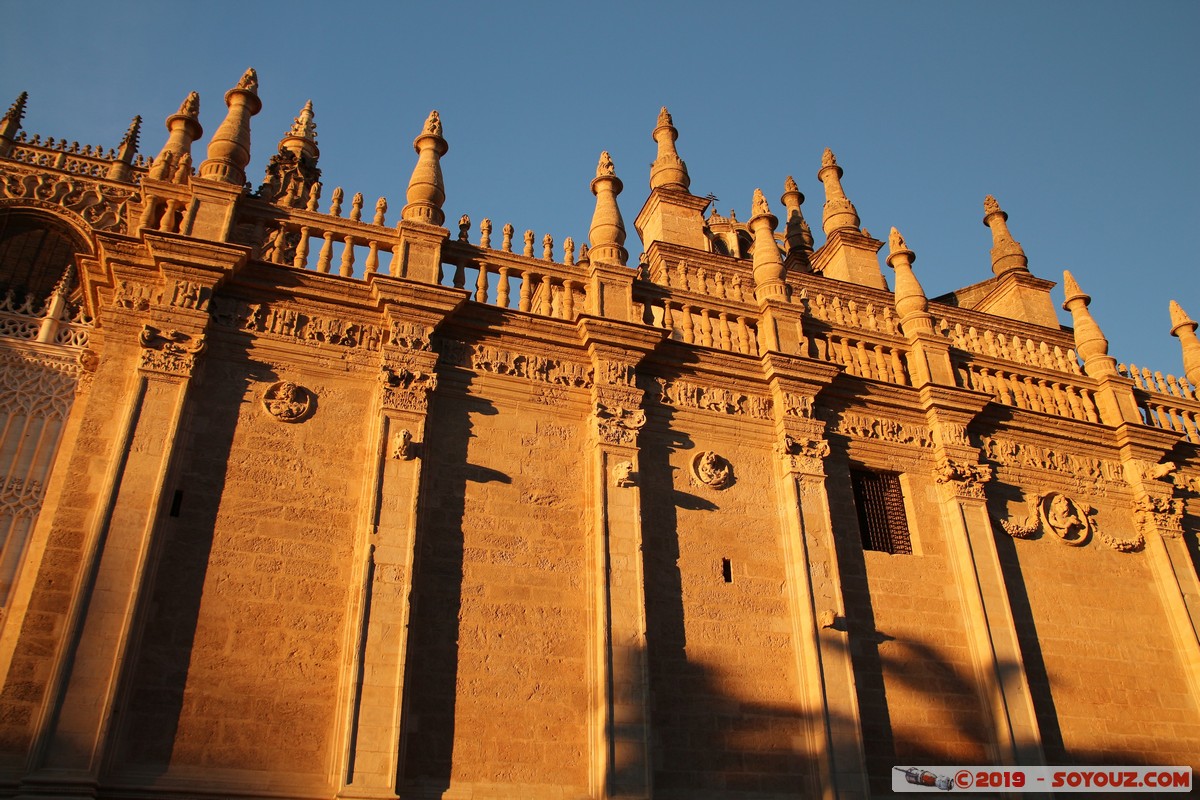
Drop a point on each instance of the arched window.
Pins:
(35, 250)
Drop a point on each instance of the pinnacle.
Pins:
(131, 135)
(1179, 318)
(896, 243)
(17, 110)
(190, 107)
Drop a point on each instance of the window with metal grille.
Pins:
(881, 515)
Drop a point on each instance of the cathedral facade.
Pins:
(304, 498)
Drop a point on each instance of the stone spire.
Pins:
(1007, 253)
(768, 266)
(668, 170)
(1184, 328)
(426, 189)
(840, 213)
(11, 123)
(119, 170)
(183, 128)
(229, 149)
(292, 171)
(799, 237)
(911, 303)
(1090, 343)
(607, 234)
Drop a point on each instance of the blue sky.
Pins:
(1081, 117)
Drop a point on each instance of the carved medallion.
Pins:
(287, 401)
(712, 470)
(1066, 519)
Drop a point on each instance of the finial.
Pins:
(11, 123)
(1090, 343)
(840, 214)
(796, 231)
(769, 270)
(507, 233)
(485, 233)
(190, 107)
(426, 188)
(356, 206)
(668, 170)
(380, 211)
(1007, 253)
(464, 228)
(607, 232)
(548, 247)
(911, 302)
(303, 126)
(229, 148)
(120, 170)
(1185, 329)
(183, 127)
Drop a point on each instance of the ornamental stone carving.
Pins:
(169, 352)
(1065, 518)
(1162, 515)
(618, 425)
(288, 402)
(712, 470)
(406, 387)
(402, 446)
(622, 474)
(966, 478)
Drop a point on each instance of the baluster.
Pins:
(347, 265)
(167, 225)
(1089, 407)
(326, 256)
(1076, 404)
(688, 330)
(372, 257)
(898, 372)
(668, 320)
(568, 251)
(460, 276)
(1147, 380)
(501, 285)
(1160, 383)
(526, 290)
(481, 284)
(485, 234)
(1174, 386)
(1031, 394)
(396, 266)
(1060, 400)
(1046, 397)
(547, 297)
(301, 259)
(743, 335)
(881, 369)
(568, 304)
(277, 256)
(752, 341)
(1000, 381)
(723, 320)
(864, 361)
(705, 328)
(847, 360)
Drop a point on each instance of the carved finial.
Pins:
(120, 170)
(789, 184)
(314, 196)
(759, 204)
(529, 237)
(11, 124)
(1007, 253)
(464, 228)
(507, 232)
(605, 167)
(16, 112)
(380, 211)
(356, 205)
(911, 303)
(583, 254)
(433, 124)
(796, 232)
(335, 202)
(63, 287)
(607, 232)
(303, 126)
(426, 189)
(190, 107)
(668, 170)
(485, 233)
(1183, 327)
(839, 214)
(229, 148)
(568, 250)
(769, 270)
(248, 81)
(184, 170)
(548, 247)
(1090, 343)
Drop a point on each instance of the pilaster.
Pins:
(822, 652)
(989, 622)
(620, 728)
(373, 682)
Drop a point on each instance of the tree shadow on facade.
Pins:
(431, 680)
(154, 682)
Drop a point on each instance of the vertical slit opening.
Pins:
(727, 570)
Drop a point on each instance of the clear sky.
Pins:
(1081, 117)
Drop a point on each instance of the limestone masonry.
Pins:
(308, 496)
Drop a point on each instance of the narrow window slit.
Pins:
(727, 570)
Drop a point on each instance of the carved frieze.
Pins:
(885, 430)
(169, 352)
(683, 394)
(310, 329)
(1097, 472)
(1069, 521)
(103, 207)
(410, 336)
(804, 455)
(1162, 515)
(498, 361)
(288, 402)
(798, 405)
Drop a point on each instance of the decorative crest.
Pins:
(190, 107)
(828, 159)
(304, 126)
(248, 81)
